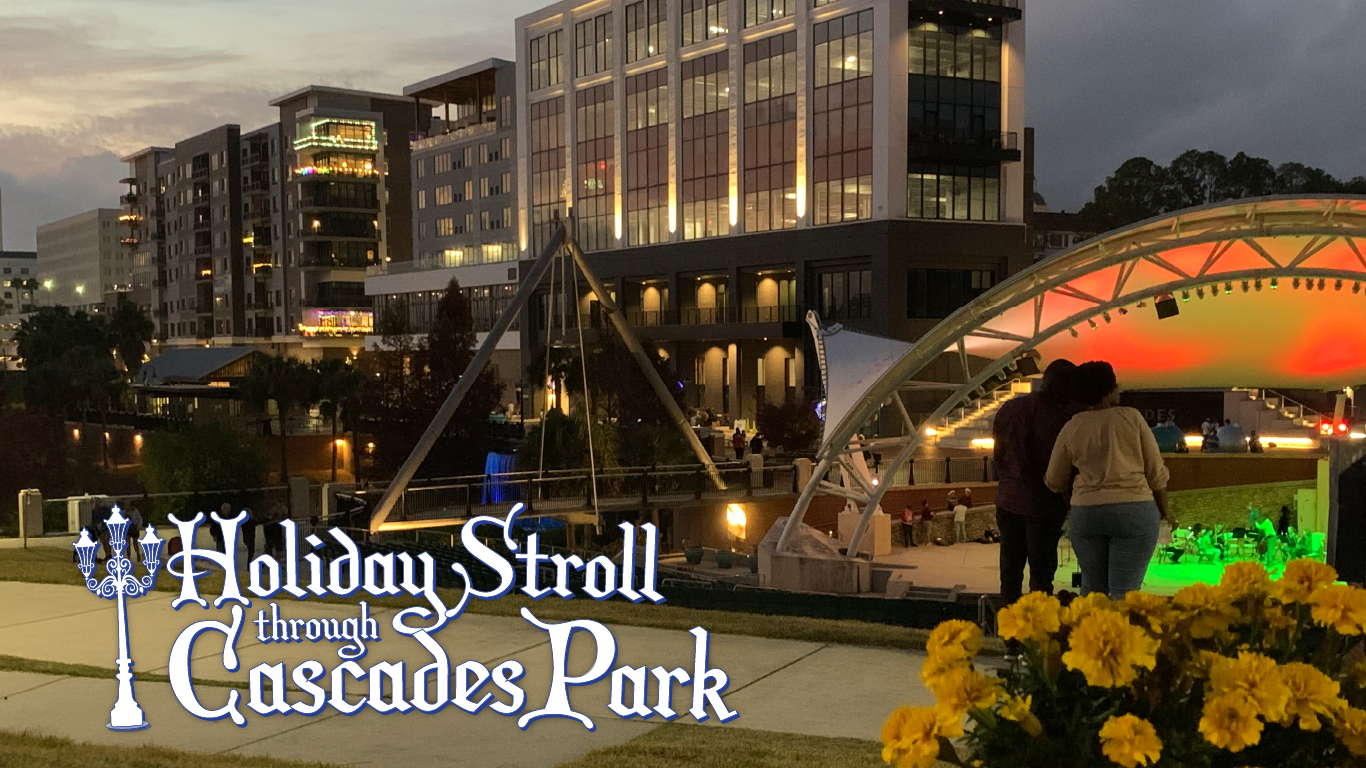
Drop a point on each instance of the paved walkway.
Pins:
(776, 685)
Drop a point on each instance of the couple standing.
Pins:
(1073, 445)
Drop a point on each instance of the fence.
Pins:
(155, 507)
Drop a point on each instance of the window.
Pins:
(946, 50)
(505, 182)
(762, 11)
(593, 45)
(422, 198)
(467, 194)
(966, 193)
(938, 293)
(489, 187)
(445, 227)
(505, 149)
(489, 153)
(646, 29)
(842, 120)
(846, 295)
(770, 134)
(647, 157)
(547, 168)
(703, 20)
(505, 114)
(444, 196)
(705, 161)
(443, 162)
(421, 169)
(468, 225)
(593, 117)
(546, 60)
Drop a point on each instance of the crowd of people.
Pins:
(917, 526)
(269, 525)
(1070, 453)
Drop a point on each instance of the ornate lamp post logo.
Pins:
(118, 585)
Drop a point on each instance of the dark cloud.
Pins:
(77, 185)
(1112, 80)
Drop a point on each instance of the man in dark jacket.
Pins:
(1029, 516)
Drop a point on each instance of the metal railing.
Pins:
(459, 134)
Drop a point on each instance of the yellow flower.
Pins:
(1312, 693)
(1357, 674)
(964, 688)
(1108, 650)
(1255, 676)
(1033, 617)
(1018, 710)
(1205, 605)
(1301, 579)
(1341, 607)
(936, 667)
(1084, 606)
(1156, 609)
(1276, 618)
(1350, 727)
(910, 737)
(1130, 741)
(954, 639)
(1245, 579)
(1230, 722)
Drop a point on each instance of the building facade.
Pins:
(81, 260)
(144, 239)
(733, 163)
(464, 199)
(346, 205)
(20, 288)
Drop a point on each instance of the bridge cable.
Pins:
(587, 406)
(549, 326)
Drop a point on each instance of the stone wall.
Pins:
(1228, 506)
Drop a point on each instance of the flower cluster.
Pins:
(1252, 671)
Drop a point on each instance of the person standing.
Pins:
(908, 524)
(966, 498)
(1254, 442)
(926, 523)
(1028, 515)
(1119, 494)
(756, 445)
(737, 441)
(134, 532)
(960, 523)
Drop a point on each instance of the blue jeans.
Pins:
(1114, 544)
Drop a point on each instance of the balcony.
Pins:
(703, 315)
(777, 314)
(200, 223)
(972, 11)
(129, 241)
(458, 135)
(337, 171)
(645, 317)
(968, 147)
(131, 198)
(339, 294)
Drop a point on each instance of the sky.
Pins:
(83, 82)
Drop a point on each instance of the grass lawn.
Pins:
(27, 750)
(52, 565)
(699, 746)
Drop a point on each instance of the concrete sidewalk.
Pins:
(776, 685)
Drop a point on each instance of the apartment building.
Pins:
(733, 163)
(81, 262)
(345, 205)
(464, 199)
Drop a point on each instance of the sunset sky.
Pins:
(83, 81)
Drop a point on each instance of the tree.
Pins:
(450, 348)
(1139, 189)
(290, 383)
(198, 457)
(791, 425)
(339, 388)
(129, 332)
(49, 341)
(1198, 177)
(566, 444)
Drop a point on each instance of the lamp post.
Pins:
(119, 585)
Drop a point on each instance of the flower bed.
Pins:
(1252, 672)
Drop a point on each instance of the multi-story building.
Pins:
(81, 261)
(463, 210)
(732, 163)
(214, 290)
(346, 205)
(20, 288)
(144, 220)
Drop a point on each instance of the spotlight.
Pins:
(1258, 284)
(1186, 295)
(1356, 287)
(1294, 284)
(1142, 305)
(1228, 289)
(1105, 315)
(1092, 323)
(1337, 286)
(1074, 333)
(1166, 306)
(1124, 311)
(1321, 283)
(1274, 284)
(1200, 293)
(1244, 286)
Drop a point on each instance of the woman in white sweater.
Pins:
(1119, 487)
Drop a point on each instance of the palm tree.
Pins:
(291, 383)
(129, 331)
(339, 388)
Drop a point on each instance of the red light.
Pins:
(1342, 426)
(1325, 428)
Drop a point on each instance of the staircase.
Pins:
(1270, 413)
(974, 421)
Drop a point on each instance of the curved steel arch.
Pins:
(1323, 219)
